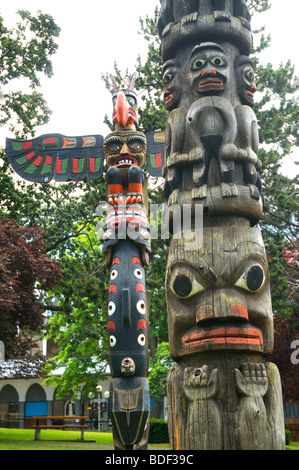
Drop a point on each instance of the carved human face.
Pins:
(127, 312)
(218, 297)
(245, 80)
(172, 83)
(124, 149)
(209, 68)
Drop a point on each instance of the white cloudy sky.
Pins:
(97, 33)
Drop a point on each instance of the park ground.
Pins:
(23, 439)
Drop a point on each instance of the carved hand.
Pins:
(252, 380)
(197, 384)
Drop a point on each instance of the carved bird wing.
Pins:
(155, 152)
(57, 156)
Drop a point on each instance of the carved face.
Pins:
(127, 312)
(124, 149)
(218, 297)
(209, 68)
(245, 80)
(125, 109)
(172, 83)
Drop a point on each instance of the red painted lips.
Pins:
(224, 335)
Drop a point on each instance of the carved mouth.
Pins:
(125, 162)
(211, 82)
(168, 96)
(224, 335)
(250, 95)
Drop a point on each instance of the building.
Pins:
(24, 394)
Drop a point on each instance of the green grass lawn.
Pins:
(23, 439)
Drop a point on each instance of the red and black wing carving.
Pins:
(155, 152)
(57, 156)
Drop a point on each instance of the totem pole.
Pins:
(221, 394)
(127, 248)
(126, 243)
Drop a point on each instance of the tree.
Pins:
(26, 51)
(26, 274)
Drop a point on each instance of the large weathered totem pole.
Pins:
(221, 393)
(126, 243)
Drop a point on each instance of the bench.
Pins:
(38, 426)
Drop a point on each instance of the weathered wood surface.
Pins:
(221, 395)
(223, 403)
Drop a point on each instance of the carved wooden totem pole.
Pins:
(221, 393)
(127, 248)
(126, 243)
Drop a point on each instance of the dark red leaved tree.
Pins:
(26, 274)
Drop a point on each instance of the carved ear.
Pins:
(114, 84)
(132, 81)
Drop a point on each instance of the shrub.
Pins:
(288, 437)
(158, 433)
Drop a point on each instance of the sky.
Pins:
(95, 34)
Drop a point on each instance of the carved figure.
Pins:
(220, 327)
(177, 10)
(220, 300)
(200, 388)
(247, 122)
(220, 393)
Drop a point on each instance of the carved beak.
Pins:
(122, 109)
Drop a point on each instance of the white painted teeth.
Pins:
(124, 161)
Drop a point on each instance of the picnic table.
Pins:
(38, 426)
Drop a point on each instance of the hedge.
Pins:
(158, 433)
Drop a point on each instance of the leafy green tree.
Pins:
(26, 52)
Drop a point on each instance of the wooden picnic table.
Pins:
(38, 426)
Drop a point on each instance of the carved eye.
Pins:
(184, 287)
(115, 147)
(249, 74)
(198, 64)
(218, 61)
(138, 273)
(141, 307)
(168, 77)
(113, 274)
(135, 146)
(112, 341)
(111, 308)
(131, 101)
(141, 339)
(253, 279)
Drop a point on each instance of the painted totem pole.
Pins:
(221, 394)
(126, 242)
(127, 248)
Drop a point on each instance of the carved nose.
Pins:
(212, 72)
(125, 150)
(222, 304)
